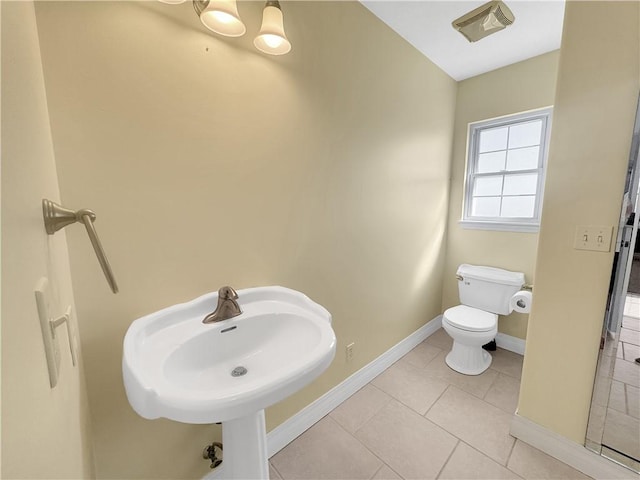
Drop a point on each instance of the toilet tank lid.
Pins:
(491, 274)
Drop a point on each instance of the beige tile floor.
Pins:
(421, 420)
(622, 421)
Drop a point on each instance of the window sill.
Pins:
(500, 226)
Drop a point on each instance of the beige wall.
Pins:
(597, 93)
(207, 163)
(516, 88)
(45, 432)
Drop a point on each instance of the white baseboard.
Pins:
(289, 430)
(513, 344)
(567, 451)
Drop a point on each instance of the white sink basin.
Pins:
(176, 367)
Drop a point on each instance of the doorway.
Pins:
(614, 418)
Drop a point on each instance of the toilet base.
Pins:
(467, 355)
(468, 360)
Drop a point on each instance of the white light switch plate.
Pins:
(50, 336)
(595, 238)
(51, 349)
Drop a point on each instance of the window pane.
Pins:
(488, 186)
(523, 158)
(491, 162)
(518, 207)
(523, 184)
(493, 139)
(485, 207)
(525, 134)
(506, 169)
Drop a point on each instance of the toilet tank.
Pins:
(488, 288)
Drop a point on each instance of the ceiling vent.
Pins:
(485, 20)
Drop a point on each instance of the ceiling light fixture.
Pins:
(221, 16)
(485, 20)
(272, 39)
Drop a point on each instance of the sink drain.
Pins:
(238, 372)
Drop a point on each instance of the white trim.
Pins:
(500, 226)
(473, 153)
(513, 344)
(286, 432)
(567, 451)
(292, 428)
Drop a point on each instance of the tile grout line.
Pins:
(513, 447)
(448, 458)
(385, 464)
(432, 405)
(404, 404)
(392, 398)
(277, 471)
(378, 457)
(459, 441)
(362, 444)
(378, 471)
(432, 359)
(519, 376)
(495, 461)
(509, 412)
(491, 385)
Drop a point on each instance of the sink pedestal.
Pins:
(245, 448)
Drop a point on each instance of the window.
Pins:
(505, 172)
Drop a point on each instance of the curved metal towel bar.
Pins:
(57, 217)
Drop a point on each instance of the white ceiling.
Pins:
(426, 24)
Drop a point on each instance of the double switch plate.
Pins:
(595, 238)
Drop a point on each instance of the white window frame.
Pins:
(500, 223)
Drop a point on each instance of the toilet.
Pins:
(485, 293)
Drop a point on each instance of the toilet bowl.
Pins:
(470, 328)
(485, 293)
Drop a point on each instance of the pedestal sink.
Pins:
(176, 367)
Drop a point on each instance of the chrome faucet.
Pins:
(227, 306)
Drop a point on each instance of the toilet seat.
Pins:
(470, 319)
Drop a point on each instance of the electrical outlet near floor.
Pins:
(349, 351)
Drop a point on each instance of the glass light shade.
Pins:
(221, 16)
(272, 39)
